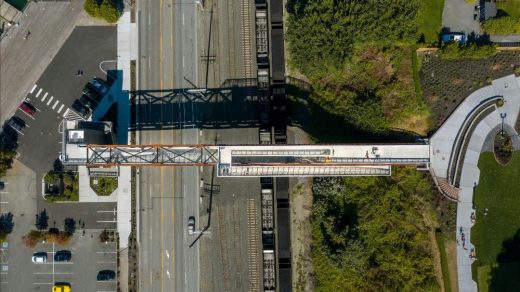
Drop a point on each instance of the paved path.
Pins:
(441, 147)
(457, 16)
(24, 60)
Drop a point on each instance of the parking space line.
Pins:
(55, 104)
(106, 251)
(64, 273)
(50, 99)
(35, 283)
(45, 96)
(34, 87)
(39, 91)
(106, 221)
(26, 114)
(61, 107)
(106, 262)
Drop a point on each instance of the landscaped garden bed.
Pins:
(103, 186)
(445, 83)
(503, 147)
(61, 186)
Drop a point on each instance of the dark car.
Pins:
(89, 91)
(62, 256)
(80, 109)
(2, 185)
(99, 85)
(16, 123)
(27, 108)
(8, 139)
(87, 102)
(106, 275)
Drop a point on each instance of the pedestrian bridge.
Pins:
(263, 160)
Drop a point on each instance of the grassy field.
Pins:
(508, 20)
(498, 192)
(430, 19)
(511, 7)
(444, 261)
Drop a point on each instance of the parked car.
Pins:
(27, 108)
(89, 91)
(16, 123)
(191, 225)
(106, 275)
(62, 256)
(80, 109)
(2, 185)
(99, 85)
(8, 140)
(39, 257)
(87, 102)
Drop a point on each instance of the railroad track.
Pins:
(223, 249)
(253, 246)
(246, 38)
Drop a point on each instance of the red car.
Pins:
(27, 108)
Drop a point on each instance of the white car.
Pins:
(39, 257)
(191, 225)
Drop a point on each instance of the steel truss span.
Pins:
(264, 160)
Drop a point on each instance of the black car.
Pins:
(80, 109)
(16, 123)
(89, 91)
(2, 185)
(62, 256)
(87, 102)
(8, 139)
(106, 275)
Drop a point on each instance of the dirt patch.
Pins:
(445, 83)
(301, 204)
(451, 255)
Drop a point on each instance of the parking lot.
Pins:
(90, 50)
(89, 256)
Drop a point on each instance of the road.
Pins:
(167, 196)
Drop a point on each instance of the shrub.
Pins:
(92, 8)
(60, 237)
(51, 177)
(108, 11)
(456, 50)
(6, 159)
(32, 238)
(502, 25)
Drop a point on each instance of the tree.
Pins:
(103, 236)
(70, 226)
(6, 159)
(42, 220)
(6, 225)
(109, 11)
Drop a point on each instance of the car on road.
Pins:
(106, 275)
(16, 123)
(62, 256)
(99, 85)
(89, 91)
(61, 287)
(39, 257)
(87, 102)
(191, 225)
(2, 185)
(27, 108)
(80, 109)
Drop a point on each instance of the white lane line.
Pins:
(182, 61)
(50, 100)
(35, 283)
(34, 87)
(106, 251)
(183, 19)
(65, 113)
(102, 211)
(44, 273)
(61, 107)
(39, 91)
(44, 96)
(4, 202)
(107, 221)
(55, 104)
(27, 114)
(106, 262)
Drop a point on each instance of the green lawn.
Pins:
(430, 19)
(508, 23)
(499, 192)
(512, 7)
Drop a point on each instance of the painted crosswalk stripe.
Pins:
(61, 107)
(50, 99)
(39, 91)
(55, 104)
(34, 87)
(44, 96)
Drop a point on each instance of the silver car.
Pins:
(191, 225)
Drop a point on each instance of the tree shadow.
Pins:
(42, 220)
(6, 223)
(504, 275)
(326, 127)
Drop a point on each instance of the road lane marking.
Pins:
(106, 221)
(50, 100)
(106, 251)
(44, 273)
(55, 104)
(183, 19)
(44, 96)
(61, 107)
(39, 91)
(34, 87)
(35, 283)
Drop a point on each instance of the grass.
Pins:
(430, 19)
(512, 7)
(508, 23)
(103, 186)
(498, 192)
(444, 261)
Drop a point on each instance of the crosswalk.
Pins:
(53, 103)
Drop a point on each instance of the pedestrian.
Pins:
(458, 242)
